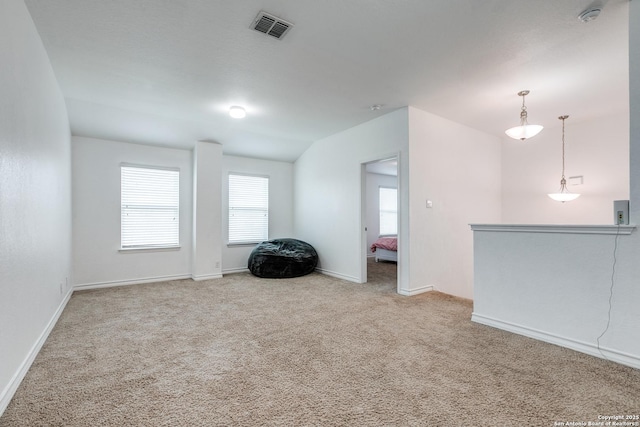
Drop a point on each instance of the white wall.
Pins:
(35, 196)
(328, 183)
(598, 150)
(625, 321)
(555, 287)
(96, 214)
(374, 182)
(96, 189)
(234, 258)
(206, 233)
(458, 169)
(634, 111)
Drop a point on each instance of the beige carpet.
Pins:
(307, 351)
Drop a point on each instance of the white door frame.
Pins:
(363, 215)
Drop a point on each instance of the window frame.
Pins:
(381, 211)
(176, 207)
(250, 241)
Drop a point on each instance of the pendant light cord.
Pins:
(563, 119)
(523, 112)
(563, 181)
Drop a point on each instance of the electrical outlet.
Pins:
(217, 264)
(621, 212)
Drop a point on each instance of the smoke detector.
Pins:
(271, 25)
(589, 14)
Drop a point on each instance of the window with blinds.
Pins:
(388, 211)
(150, 207)
(248, 209)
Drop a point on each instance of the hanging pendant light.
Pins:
(525, 130)
(563, 195)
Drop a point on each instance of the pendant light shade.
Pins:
(525, 130)
(563, 195)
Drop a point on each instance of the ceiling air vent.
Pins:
(271, 25)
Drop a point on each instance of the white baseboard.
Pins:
(126, 282)
(337, 275)
(14, 383)
(577, 345)
(206, 277)
(410, 292)
(235, 270)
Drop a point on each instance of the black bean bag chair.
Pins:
(282, 258)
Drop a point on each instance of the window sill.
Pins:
(233, 245)
(151, 249)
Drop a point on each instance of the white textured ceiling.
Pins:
(164, 72)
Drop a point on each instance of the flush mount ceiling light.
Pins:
(589, 14)
(563, 195)
(525, 130)
(237, 112)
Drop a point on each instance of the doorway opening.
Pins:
(380, 222)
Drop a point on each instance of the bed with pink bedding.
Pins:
(385, 248)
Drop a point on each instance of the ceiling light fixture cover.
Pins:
(563, 195)
(525, 130)
(589, 15)
(237, 112)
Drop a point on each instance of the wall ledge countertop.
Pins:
(622, 229)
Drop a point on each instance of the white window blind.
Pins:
(248, 208)
(150, 207)
(388, 211)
